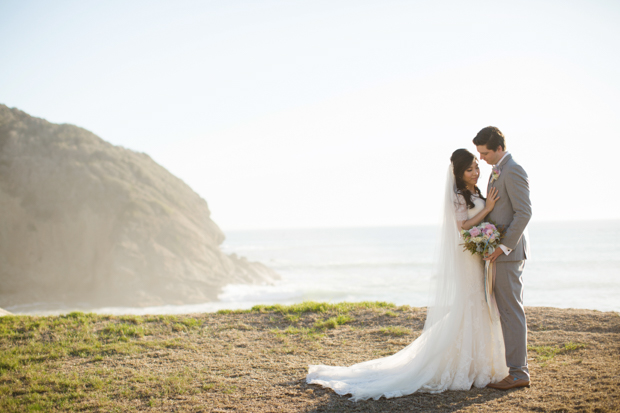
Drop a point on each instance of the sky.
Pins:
(293, 114)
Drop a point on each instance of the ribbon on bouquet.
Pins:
(489, 282)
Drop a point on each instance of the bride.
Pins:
(461, 344)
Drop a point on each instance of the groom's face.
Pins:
(489, 156)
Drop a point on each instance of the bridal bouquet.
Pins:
(482, 239)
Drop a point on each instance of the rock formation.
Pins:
(85, 223)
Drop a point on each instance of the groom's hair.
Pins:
(492, 137)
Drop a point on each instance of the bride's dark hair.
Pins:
(461, 160)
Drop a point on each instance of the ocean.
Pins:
(573, 265)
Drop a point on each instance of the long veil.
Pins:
(449, 261)
(421, 365)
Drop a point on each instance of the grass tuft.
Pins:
(191, 323)
(570, 346)
(333, 322)
(293, 318)
(546, 353)
(395, 331)
(316, 307)
(134, 319)
(123, 331)
(233, 311)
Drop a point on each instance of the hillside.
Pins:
(85, 223)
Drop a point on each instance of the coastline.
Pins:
(256, 360)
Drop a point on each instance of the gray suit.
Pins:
(513, 211)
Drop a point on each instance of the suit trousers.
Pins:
(508, 292)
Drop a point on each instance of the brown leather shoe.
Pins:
(509, 382)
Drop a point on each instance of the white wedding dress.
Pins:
(461, 344)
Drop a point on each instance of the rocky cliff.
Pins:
(87, 223)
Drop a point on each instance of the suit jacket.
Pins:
(513, 210)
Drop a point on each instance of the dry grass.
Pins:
(256, 361)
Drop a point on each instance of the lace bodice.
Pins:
(463, 212)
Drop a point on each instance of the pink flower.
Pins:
(474, 232)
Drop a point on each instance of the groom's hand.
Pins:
(498, 251)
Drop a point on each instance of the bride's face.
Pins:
(471, 174)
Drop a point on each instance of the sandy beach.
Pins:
(256, 361)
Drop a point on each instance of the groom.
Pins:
(512, 211)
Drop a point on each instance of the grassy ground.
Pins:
(256, 361)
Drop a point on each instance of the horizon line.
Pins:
(320, 227)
